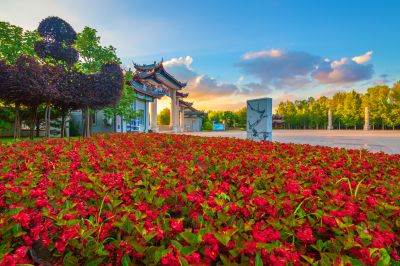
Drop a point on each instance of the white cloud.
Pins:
(263, 53)
(187, 61)
(363, 58)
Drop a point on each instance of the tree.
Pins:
(377, 99)
(352, 109)
(55, 47)
(93, 55)
(15, 42)
(31, 85)
(164, 117)
(394, 97)
(242, 117)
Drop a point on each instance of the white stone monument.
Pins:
(259, 119)
(330, 127)
(366, 122)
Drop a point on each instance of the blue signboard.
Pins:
(219, 127)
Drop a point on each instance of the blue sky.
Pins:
(230, 51)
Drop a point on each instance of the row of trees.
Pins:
(42, 68)
(347, 109)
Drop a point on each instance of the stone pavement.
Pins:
(387, 141)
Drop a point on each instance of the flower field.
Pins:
(160, 199)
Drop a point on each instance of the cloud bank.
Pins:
(281, 69)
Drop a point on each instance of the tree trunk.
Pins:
(47, 118)
(63, 123)
(83, 122)
(37, 126)
(86, 122)
(90, 124)
(17, 128)
(115, 122)
(32, 122)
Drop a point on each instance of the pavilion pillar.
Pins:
(330, 127)
(177, 129)
(153, 116)
(174, 108)
(366, 122)
(182, 119)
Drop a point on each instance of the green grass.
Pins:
(12, 141)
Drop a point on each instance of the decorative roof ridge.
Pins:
(185, 103)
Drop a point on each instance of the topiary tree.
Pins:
(56, 46)
(57, 39)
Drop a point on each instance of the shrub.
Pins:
(207, 126)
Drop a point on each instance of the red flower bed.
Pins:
(123, 199)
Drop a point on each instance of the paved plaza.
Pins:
(386, 141)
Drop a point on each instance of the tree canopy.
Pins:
(16, 42)
(347, 109)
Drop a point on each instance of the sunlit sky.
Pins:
(231, 51)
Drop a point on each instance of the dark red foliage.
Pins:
(6, 73)
(30, 83)
(58, 37)
(55, 29)
(109, 84)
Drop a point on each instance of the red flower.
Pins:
(176, 225)
(305, 235)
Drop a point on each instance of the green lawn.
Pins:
(11, 140)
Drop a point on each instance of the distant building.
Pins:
(193, 119)
(278, 121)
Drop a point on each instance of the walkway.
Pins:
(387, 141)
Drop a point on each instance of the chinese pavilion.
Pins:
(153, 81)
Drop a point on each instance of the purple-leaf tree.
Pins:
(56, 47)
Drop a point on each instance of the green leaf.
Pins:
(102, 252)
(224, 239)
(225, 260)
(188, 250)
(125, 260)
(320, 244)
(353, 261)
(385, 257)
(258, 260)
(150, 236)
(140, 229)
(16, 229)
(308, 259)
(177, 245)
(95, 262)
(70, 259)
(183, 261)
(189, 237)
